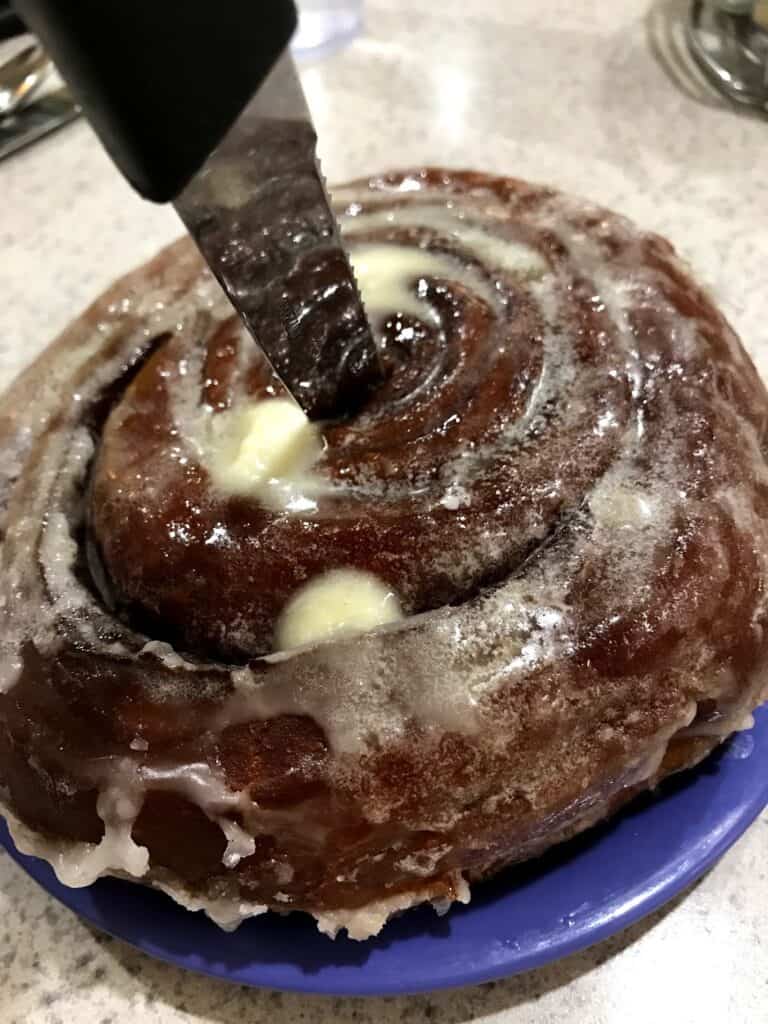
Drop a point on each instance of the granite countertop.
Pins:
(570, 92)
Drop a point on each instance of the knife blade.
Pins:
(203, 109)
(259, 211)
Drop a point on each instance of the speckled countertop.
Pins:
(570, 92)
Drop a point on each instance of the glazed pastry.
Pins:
(351, 667)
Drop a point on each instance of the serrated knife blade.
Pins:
(260, 214)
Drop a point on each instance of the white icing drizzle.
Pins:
(239, 843)
(121, 796)
(166, 655)
(208, 790)
(75, 863)
(363, 922)
(80, 864)
(228, 912)
(452, 222)
(392, 279)
(423, 864)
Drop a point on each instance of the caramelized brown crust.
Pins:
(565, 471)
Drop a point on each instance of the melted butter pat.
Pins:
(386, 274)
(343, 602)
(265, 449)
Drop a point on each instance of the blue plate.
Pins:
(577, 894)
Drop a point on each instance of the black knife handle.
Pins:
(10, 23)
(161, 81)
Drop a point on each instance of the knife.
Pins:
(10, 23)
(202, 105)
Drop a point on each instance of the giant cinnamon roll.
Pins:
(350, 668)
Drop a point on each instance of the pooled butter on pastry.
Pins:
(392, 278)
(265, 450)
(342, 602)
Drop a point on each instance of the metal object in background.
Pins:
(729, 41)
(36, 120)
(21, 77)
(27, 111)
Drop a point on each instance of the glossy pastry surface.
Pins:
(551, 514)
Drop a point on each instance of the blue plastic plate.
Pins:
(572, 897)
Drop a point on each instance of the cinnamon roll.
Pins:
(351, 666)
